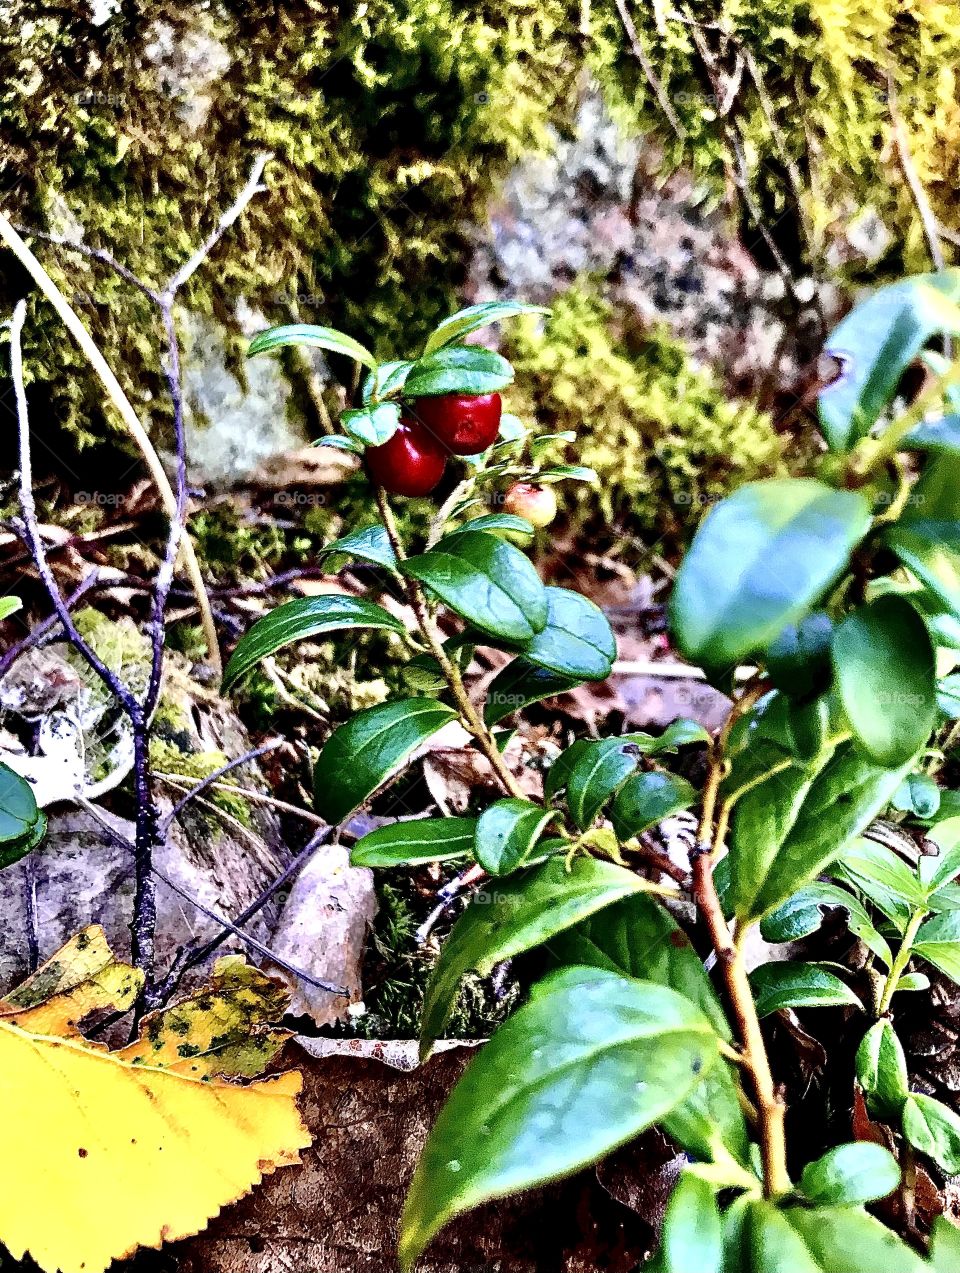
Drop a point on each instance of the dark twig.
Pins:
(642, 57)
(210, 779)
(40, 630)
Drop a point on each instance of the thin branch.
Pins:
(254, 797)
(128, 415)
(36, 634)
(909, 169)
(640, 53)
(211, 778)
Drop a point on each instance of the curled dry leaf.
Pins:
(144, 1145)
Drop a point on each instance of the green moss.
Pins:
(662, 433)
(170, 759)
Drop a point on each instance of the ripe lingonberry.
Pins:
(465, 423)
(538, 504)
(411, 462)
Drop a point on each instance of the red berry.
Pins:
(538, 504)
(409, 463)
(465, 423)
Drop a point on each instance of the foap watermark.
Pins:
(300, 499)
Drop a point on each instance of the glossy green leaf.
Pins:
(820, 1240)
(850, 1174)
(521, 913)
(790, 984)
(932, 551)
(457, 369)
(473, 318)
(646, 799)
(361, 754)
(876, 343)
(808, 824)
(372, 425)
(567, 473)
(305, 617)
(936, 871)
(18, 806)
(729, 599)
(938, 942)
(577, 640)
(882, 1072)
(518, 685)
(913, 981)
(369, 543)
(339, 443)
(802, 914)
(884, 879)
(934, 1129)
(517, 529)
(692, 1237)
(884, 664)
(798, 660)
(9, 606)
(507, 834)
(387, 379)
(944, 1246)
(328, 338)
(587, 1064)
(486, 581)
(12, 850)
(917, 794)
(424, 675)
(415, 841)
(679, 733)
(600, 769)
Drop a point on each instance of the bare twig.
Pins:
(905, 157)
(40, 630)
(211, 778)
(640, 53)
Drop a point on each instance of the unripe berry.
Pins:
(465, 423)
(411, 462)
(538, 504)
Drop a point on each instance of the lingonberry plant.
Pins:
(822, 605)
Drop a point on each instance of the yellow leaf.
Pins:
(106, 1151)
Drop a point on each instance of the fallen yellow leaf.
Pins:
(108, 1151)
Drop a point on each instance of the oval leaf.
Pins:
(577, 640)
(372, 425)
(938, 942)
(934, 1129)
(18, 806)
(521, 913)
(363, 753)
(302, 618)
(457, 369)
(884, 664)
(798, 985)
(646, 799)
(318, 337)
(587, 1064)
(518, 685)
(415, 841)
(882, 1072)
(486, 581)
(473, 318)
(598, 770)
(851, 1174)
(507, 834)
(728, 599)
(370, 543)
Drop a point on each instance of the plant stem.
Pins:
(873, 451)
(900, 963)
(471, 718)
(770, 1104)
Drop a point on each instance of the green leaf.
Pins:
(938, 942)
(307, 334)
(302, 618)
(802, 914)
(948, 695)
(517, 529)
(884, 879)
(388, 378)
(680, 733)
(369, 543)
(882, 1072)
(913, 981)
(884, 664)
(486, 581)
(524, 912)
(917, 794)
(791, 984)
(692, 1237)
(944, 1246)
(577, 641)
(361, 754)
(473, 318)
(932, 551)
(646, 799)
(798, 660)
(591, 1061)
(415, 841)
(423, 673)
(507, 834)
(457, 369)
(13, 850)
(851, 1174)
(340, 443)
(937, 871)
(935, 435)
(372, 425)
(518, 685)
(567, 473)
(934, 1129)
(9, 606)
(808, 824)
(598, 770)
(876, 343)
(727, 600)
(820, 1240)
(18, 806)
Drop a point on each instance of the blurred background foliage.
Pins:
(394, 124)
